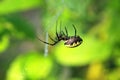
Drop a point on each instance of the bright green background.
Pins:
(22, 55)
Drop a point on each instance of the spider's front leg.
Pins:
(74, 29)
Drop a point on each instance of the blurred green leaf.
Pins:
(21, 25)
(67, 11)
(90, 50)
(8, 6)
(114, 75)
(4, 42)
(31, 66)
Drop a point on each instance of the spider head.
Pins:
(63, 37)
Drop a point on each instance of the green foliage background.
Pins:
(24, 57)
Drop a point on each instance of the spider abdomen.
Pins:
(73, 41)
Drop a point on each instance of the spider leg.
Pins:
(61, 32)
(74, 29)
(52, 44)
(56, 31)
(66, 31)
(60, 29)
(51, 38)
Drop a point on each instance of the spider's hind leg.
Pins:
(52, 44)
(52, 38)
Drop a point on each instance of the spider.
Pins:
(70, 41)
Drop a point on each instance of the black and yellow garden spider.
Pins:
(70, 41)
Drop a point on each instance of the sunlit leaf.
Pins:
(31, 66)
(90, 50)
